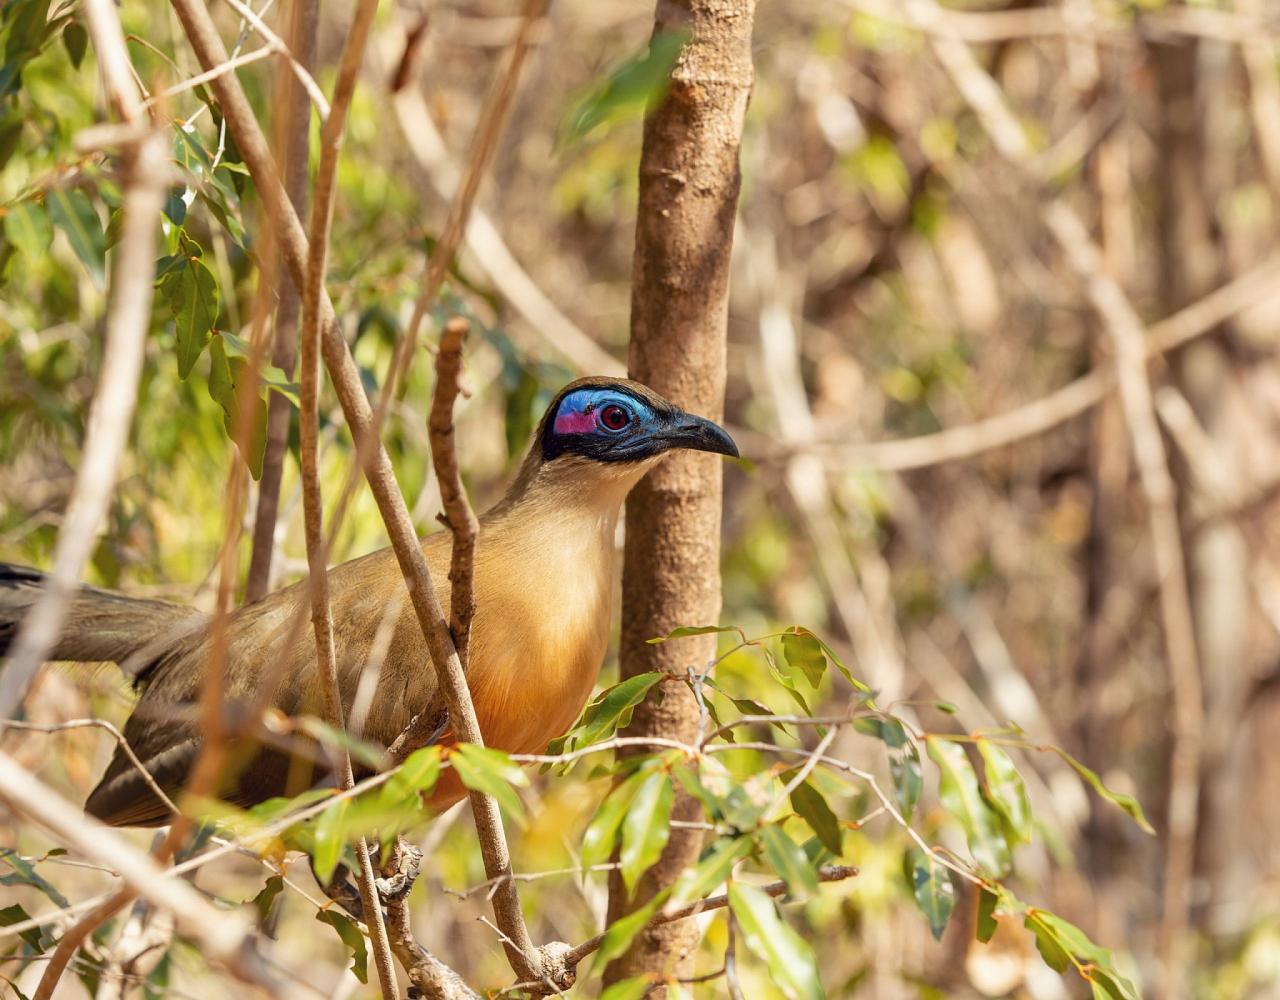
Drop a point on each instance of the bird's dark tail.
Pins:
(101, 626)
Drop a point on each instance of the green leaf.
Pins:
(266, 898)
(10, 136)
(804, 652)
(628, 989)
(630, 87)
(34, 936)
(191, 292)
(416, 776)
(987, 901)
(788, 956)
(884, 728)
(811, 806)
(714, 867)
(958, 789)
(646, 827)
(622, 932)
(908, 780)
(352, 938)
(684, 631)
(228, 378)
(602, 832)
(614, 707)
(24, 873)
(76, 40)
(1051, 950)
(484, 769)
(73, 213)
(27, 226)
(271, 377)
(932, 888)
(1126, 802)
(330, 838)
(789, 861)
(1006, 791)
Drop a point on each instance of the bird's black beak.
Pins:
(699, 434)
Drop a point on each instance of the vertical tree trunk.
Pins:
(689, 182)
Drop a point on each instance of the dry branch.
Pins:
(1124, 328)
(222, 937)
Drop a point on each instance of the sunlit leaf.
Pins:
(629, 88)
(961, 796)
(416, 776)
(1051, 950)
(811, 806)
(684, 631)
(790, 959)
(613, 708)
(908, 779)
(628, 989)
(622, 932)
(713, 868)
(789, 860)
(602, 832)
(352, 938)
(646, 826)
(932, 888)
(986, 926)
(330, 838)
(1007, 793)
(484, 769)
(28, 227)
(804, 652)
(1126, 802)
(228, 378)
(884, 728)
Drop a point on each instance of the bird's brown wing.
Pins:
(263, 641)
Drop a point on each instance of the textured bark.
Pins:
(689, 181)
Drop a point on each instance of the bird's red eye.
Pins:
(614, 417)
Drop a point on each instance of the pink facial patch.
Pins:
(575, 422)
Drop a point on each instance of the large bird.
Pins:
(544, 575)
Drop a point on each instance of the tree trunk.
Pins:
(689, 182)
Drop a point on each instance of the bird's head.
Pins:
(600, 435)
(616, 420)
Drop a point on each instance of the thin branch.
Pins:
(276, 43)
(313, 511)
(222, 937)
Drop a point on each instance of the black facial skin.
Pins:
(673, 428)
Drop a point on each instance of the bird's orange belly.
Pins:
(521, 717)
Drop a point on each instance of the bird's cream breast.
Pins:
(543, 602)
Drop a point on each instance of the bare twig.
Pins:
(458, 515)
(276, 44)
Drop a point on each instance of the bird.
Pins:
(544, 574)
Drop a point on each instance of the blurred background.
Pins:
(894, 279)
